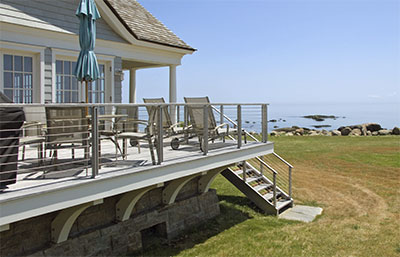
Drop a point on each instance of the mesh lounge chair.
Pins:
(67, 126)
(196, 114)
(169, 128)
(127, 128)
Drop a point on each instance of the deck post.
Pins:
(160, 142)
(264, 121)
(221, 115)
(95, 142)
(239, 127)
(205, 129)
(274, 181)
(290, 182)
(186, 122)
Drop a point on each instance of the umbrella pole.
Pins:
(87, 96)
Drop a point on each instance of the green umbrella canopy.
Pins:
(87, 68)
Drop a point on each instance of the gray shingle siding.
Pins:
(59, 13)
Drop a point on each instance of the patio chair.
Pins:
(67, 128)
(196, 115)
(33, 130)
(169, 128)
(127, 128)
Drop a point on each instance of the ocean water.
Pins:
(287, 115)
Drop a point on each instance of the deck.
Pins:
(37, 193)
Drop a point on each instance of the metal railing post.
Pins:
(239, 127)
(205, 130)
(244, 170)
(290, 182)
(178, 112)
(186, 122)
(261, 165)
(221, 114)
(274, 180)
(264, 125)
(160, 142)
(95, 142)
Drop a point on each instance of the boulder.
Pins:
(375, 133)
(285, 129)
(373, 127)
(336, 132)
(346, 131)
(324, 132)
(396, 131)
(273, 134)
(355, 132)
(364, 130)
(289, 134)
(313, 133)
(369, 133)
(384, 132)
(299, 131)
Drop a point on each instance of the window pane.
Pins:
(67, 98)
(18, 80)
(9, 94)
(101, 67)
(102, 98)
(28, 81)
(74, 83)
(67, 83)
(59, 97)
(8, 62)
(18, 63)
(58, 82)
(28, 64)
(20, 96)
(74, 97)
(58, 67)
(8, 80)
(73, 67)
(102, 85)
(67, 67)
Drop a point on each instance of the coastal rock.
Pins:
(396, 131)
(273, 134)
(324, 132)
(355, 132)
(364, 129)
(336, 132)
(299, 131)
(289, 134)
(375, 133)
(369, 133)
(313, 133)
(373, 127)
(346, 131)
(384, 132)
(285, 129)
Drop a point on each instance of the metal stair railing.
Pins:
(287, 184)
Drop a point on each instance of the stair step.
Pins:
(282, 204)
(261, 187)
(268, 196)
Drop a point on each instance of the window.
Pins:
(67, 90)
(18, 78)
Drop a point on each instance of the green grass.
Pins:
(355, 179)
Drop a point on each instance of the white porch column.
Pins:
(172, 90)
(132, 85)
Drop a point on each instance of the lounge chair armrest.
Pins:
(222, 125)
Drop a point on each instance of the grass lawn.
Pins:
(356, 180)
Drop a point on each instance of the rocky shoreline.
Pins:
(366, 129)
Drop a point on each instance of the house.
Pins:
(131, 202)
(128, 38)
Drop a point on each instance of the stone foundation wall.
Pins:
(96, 231)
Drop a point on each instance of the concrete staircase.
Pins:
(264, 186)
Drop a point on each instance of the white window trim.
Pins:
(37, 53)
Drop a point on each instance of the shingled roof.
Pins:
(143, 25)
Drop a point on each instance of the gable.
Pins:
(58, 16)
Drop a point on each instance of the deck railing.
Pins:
(98, 135)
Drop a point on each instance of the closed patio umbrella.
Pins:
(87, 68)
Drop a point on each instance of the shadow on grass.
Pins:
(230, 216)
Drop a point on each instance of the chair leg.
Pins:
(23, 153)
(153, 159)
(73, 151)
(138, 146)
(124, 148)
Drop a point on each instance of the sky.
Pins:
(280, 51)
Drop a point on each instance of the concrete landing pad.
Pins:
(301, 213)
